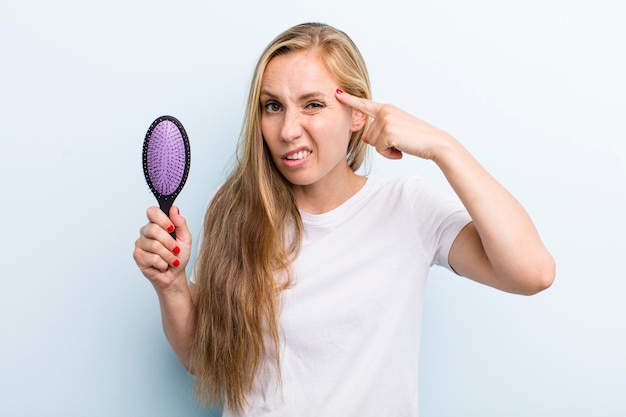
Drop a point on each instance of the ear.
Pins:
(358, 120)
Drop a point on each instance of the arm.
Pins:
(163, 260)
(501, 247)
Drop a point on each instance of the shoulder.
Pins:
(412, 195)
(408, 189)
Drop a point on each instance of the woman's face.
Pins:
(305, 127)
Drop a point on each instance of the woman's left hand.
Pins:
(394, 132)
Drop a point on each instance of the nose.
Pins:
(291, 128)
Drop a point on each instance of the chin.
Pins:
(299, 180)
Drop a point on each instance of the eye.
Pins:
(314, 105)
(272, 107)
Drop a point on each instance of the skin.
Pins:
(301, 114)
(305, 113)
(155, 255)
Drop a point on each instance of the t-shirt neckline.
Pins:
(342, 211)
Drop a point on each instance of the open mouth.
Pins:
(298, 155)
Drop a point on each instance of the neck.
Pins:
(324, 196)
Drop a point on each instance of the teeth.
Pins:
(298, 155)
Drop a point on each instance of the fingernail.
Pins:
(170, 228)
(176, 250)
(339, 91)
(178, 210)
(176, 262)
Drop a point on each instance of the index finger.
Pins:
(156, 215)
(358, 103)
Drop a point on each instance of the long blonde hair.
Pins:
(252, 234)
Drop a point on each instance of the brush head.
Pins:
(166, 159)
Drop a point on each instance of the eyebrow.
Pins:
(304, 97)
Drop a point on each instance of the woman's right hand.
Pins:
(161, 258)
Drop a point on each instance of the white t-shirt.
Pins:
(351, 322)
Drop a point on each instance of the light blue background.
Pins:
(535, 89)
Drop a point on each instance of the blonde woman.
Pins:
(307, 292)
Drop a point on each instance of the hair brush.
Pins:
(166, 160)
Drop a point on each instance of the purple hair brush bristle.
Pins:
(166, 160)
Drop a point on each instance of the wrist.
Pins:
(447, 151)
(177, 285)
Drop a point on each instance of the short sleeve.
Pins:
(440, 218)
(451, 228)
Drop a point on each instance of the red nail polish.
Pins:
(170, 228)
(176, 262)
(176, 250)
(339, 91)
(178, 210)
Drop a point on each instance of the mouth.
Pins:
(298, 155)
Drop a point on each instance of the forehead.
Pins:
(304, 69)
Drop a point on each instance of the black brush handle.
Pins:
(165, 206)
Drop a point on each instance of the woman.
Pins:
(307, 292)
